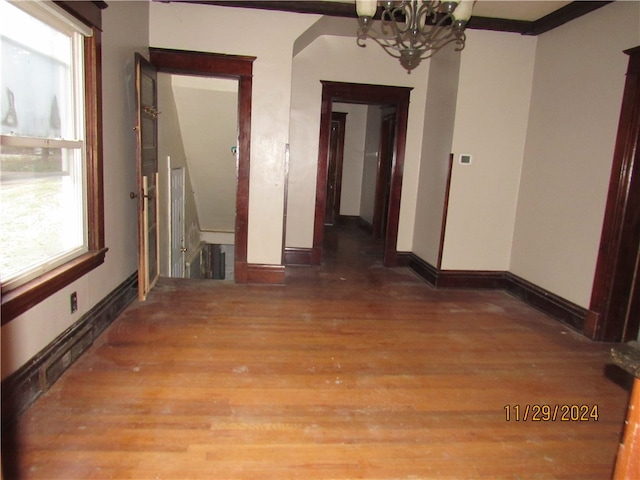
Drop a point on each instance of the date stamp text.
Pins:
(551, 413)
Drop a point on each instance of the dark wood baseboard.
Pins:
(470, 279)
(267, 274)
(297, 256)
(423, 269)
(553, 305)
(550, 303)
(27, 384)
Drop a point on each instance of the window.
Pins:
(51, 220)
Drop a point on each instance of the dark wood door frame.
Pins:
(362, 94)
(614, 285)
(383, 175)
(334, 168)
(234, 67)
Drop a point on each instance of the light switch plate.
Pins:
(465, 159)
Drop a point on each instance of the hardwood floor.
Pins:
(349, 371)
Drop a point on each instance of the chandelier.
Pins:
(412, 30)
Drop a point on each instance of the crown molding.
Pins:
(561, 16)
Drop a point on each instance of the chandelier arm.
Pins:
(428, 26)
(438, 33)
(385, 43)
(391, 31)
(392, 45)
(433, 51)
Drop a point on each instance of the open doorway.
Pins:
(240, 69)
(198, 141)
(359, 166)
(389, 194)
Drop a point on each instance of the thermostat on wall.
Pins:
(465, 159)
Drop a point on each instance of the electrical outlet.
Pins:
(74, 302)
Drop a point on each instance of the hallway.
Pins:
(351, 370)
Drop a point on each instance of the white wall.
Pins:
(208, 116)
(491, 117)
(577, 92)
(439, 116)
(125, 32)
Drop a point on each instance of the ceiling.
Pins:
(527, 17)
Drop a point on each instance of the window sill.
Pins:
(24, 297)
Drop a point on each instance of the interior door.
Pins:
(383, 181)
(334, 167)
(147, 176)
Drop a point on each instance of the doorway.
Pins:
(238, 68)
(198, 135)
(396, 97)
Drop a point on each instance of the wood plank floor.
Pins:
(350, 371)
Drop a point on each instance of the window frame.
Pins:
(23, 297)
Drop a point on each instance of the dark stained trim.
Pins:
(564, 15)
(229, 66)
(561, 16)
(265, 274)
(188, 62)
(333, 9)
(551, 304)
(297, 256)
(362, 94)
(27, 296)
(500, 25)
(88, 12)
(28, 383)
(616, 265)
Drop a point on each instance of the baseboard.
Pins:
(23, 387)
(549, 303)
(423, 269)
(298, 256)
(267, 274)
(471, 279)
